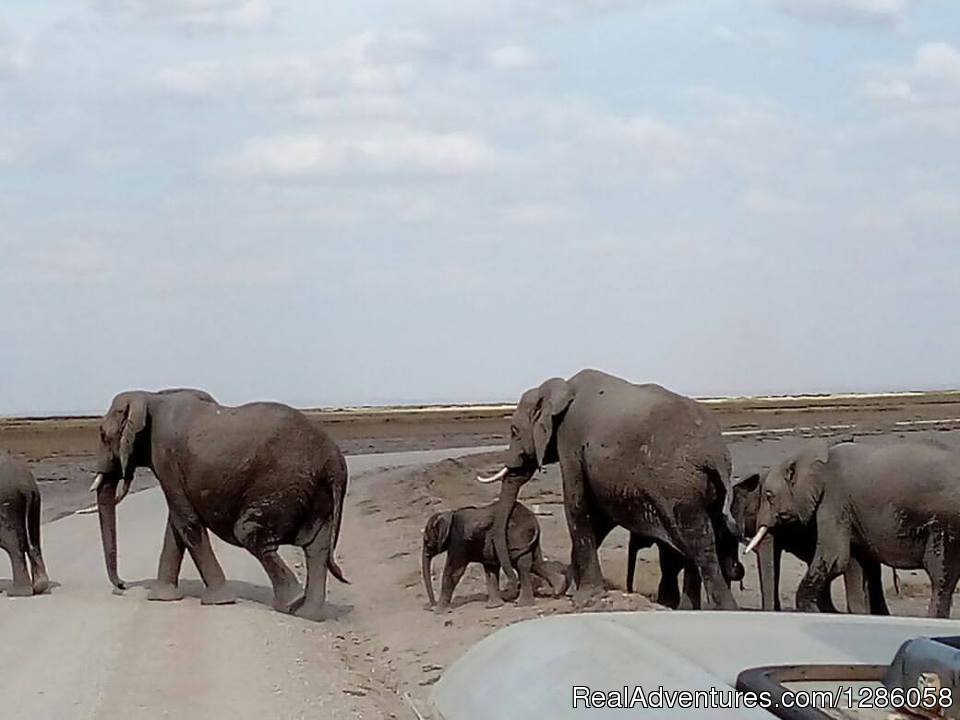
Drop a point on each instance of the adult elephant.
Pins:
(899, 503)
(259, 476)
(862, 578)
(638, 456)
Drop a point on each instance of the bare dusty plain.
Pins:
(388, 645)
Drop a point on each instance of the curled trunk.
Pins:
(107, 510)
(427, 580)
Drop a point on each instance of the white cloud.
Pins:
(511, 57)
(932, 80)
(366, 63)
(847, 12)
(388, 150)
(938, 61)
(192, 13)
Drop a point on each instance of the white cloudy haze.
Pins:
(399, 200)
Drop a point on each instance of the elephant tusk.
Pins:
(124, 489)
(97, 481)
(752, 545)
(493, 478)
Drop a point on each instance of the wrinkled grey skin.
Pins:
(638, 456)
(466, 536)
(259, 476)
(898, 503)
(672, 562)
(20, 527)
(862, 578)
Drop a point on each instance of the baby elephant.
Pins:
(20, 526)
(466, 535)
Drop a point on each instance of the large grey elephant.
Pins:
(259, 476)
(638, 456)
(898, 503)
(862, 578)
(20, 527)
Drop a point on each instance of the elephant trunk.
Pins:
(107, 510)
(768, 575)
(509, 491)
(427, 580)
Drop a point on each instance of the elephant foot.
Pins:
(164, 592)
(494, 603)
(525, 600)
(220, 595)
(288, 602)
(40, 585)
(318, 612)
(587, 596)
(19, 591)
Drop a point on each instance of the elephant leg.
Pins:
(249, 532)
(41, 582)
(22, 585)
(636, 543)
(166, 587)
(556, 581)
(524, 567)
(873, 577)
(942, 563)
(453, 570)
(690, 600)
(216, 591)
(854, 582)
(286, 587)
(494, 600)
(671, 563)
(317, 554)
(699, 540)
(820, 573)
(584, 560)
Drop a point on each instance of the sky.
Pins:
(394, 201)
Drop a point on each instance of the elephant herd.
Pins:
(635, 456)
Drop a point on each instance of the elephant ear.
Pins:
(438, 530)
(555, 396)
(805, 476)
(134, 422)
(749, 484)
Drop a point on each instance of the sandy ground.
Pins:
(388, 650)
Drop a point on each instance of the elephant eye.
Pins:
(514, 432)
(769, 495)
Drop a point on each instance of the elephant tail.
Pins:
(33, 518)
(339, 489)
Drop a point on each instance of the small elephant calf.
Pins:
(466, 535)
(20, 527)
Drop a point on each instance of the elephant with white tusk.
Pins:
(638, 456)
(259, 476)
(862, 578)
(898, 503)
